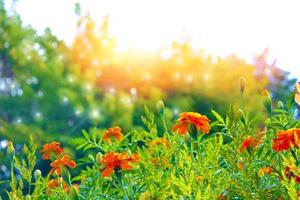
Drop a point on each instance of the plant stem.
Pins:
(122, 183)
(119, 176)
(191, 148)
(164, 124)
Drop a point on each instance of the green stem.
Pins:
(164, 124)
(119, 176)
(191, 148)
(122, 183)
(241, 100)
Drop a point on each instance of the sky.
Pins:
(221, 27)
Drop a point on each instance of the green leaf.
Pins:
(218, 116)
(85, 134)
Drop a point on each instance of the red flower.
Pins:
(201, 122)
(289, 173)
(61, 163)
(250, 142)
(51, 149)
(286, 139)
(112, 132)
(113, 160)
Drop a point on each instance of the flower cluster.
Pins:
(60, 162)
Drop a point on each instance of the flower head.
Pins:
(55, 183)
(117, 160)
(52, 148)
(201, 122)
(61, 163)
(286, 139)
(112, 132)
(250, 142)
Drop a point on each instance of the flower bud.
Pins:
(99, 157)
(37, 174)
(91, 157)
(160, 107)
(10, 149)
(280, 105)
(267, 101)
(242, 84)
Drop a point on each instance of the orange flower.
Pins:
(199, 178)
(60, 163)
(55, 183)
(250, 142)
(51, 149)
(201, 122)
(112, 132)
(117, 160)
(265, 170)
(286, 139)
(289, 173)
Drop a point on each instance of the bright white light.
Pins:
(3, 144)
(95, 113)
(220, 27)
(88, 87)
(133, 91)
(19, 120)
(189, 79)
(77, 112)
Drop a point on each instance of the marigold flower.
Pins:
(61, 163)
(286, 139)
(112, 132)
(201, 122)
(113, 160)
(289, 173)
(55, 183)
(52, 148)
(265, 170)
(250, 142)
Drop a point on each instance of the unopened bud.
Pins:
(10, 149)
(280, 105)
(267, 101)
(160, 107)
(99, 157)
(242, 84)
(91, 157)
(37, 174)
